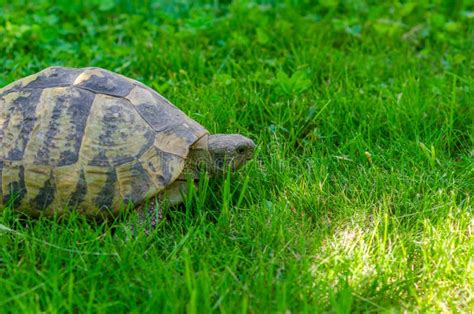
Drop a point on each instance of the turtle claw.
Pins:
(148, 220)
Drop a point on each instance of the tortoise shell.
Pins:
(88, 139)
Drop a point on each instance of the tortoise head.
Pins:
(229, 151)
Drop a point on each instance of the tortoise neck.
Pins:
(201, 143)
(199, 157)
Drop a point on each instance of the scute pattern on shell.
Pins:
(88, 138)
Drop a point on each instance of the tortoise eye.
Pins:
(241, 150)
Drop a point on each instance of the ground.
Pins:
(360, 194)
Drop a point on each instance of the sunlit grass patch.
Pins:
(381, 263)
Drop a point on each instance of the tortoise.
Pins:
(99, 143)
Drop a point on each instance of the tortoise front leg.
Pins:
(148, 217)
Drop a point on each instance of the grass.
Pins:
(359, 198)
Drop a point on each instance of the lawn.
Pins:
(359, 197)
